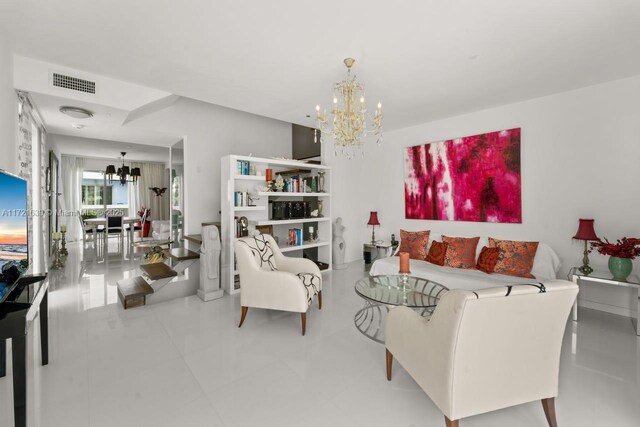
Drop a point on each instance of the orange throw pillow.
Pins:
(461, 252)
(437, 252)
(414, 242)
(516, 258)
(487, 259)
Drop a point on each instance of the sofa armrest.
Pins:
(425, 349)
(297, 265)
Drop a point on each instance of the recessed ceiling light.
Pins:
(76, 112)
(77, 125)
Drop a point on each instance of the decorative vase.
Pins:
(146, 227)
(321, 182)
(620, 268)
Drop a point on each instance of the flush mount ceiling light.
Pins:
(351, 121)
(76, 112)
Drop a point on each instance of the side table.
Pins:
(605, 277)
(371, 251)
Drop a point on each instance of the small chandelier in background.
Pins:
(349, 123)
(123, 173)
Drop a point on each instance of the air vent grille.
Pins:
(74, 83)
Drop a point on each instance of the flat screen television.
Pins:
(14, 255)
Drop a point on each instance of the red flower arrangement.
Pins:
(624, 248)
(144, 212)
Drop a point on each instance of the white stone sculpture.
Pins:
(210, 264)
(339, 245)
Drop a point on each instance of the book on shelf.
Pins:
(243, 167)
(295, 237)
(240, 199)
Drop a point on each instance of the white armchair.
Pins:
(485, 350)
(271, 280)
(161, 229)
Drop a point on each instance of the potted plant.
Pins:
(143, 214)
(620, 255)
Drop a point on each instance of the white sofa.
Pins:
(545, 267)
(485, 350)
(161, 229)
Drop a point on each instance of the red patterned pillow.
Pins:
(461, 252)
(516, 258)
(414, 242)
(487, 259)
(437, 252)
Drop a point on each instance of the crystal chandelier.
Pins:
(350, 117)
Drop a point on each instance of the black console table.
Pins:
(16, 315)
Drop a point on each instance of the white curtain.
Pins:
(71, 198)
(151, 175)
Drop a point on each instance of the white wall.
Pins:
(211, 132)
(8, 111)
(580, 159)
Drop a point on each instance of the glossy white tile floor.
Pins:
(186, 363)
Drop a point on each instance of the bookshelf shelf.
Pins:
(289, 194)
(232, 183)
(250, 177)
(290, 221)
(305, 245)
(248, 208)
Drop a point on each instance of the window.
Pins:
(95, 194)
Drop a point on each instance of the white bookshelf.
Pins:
(258, 213)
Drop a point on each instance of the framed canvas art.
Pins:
(475, 178)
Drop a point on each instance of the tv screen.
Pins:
(13, 231)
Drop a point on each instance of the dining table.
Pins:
(95, 223)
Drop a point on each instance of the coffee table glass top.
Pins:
(390, 290)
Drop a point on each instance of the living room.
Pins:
(230, 80)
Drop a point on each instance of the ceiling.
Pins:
(109, 149)
(106, 124)
(424, 59)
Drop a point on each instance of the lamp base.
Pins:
(586, 269)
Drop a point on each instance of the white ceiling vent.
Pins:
(73, 83)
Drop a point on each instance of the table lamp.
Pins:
(373, 221)
(587, 233)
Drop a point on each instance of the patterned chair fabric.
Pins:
(262, 251)
(311, 284)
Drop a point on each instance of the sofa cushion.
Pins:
(487, 259)
(516, 258)
(414, 242)
(437, 252)
(461, 251)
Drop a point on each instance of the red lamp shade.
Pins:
(585, 230)
(373, 219)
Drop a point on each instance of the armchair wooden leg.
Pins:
(320, 300)
(244, 314)
(449, 423)
(389, 364)
(549, 406)
(303, 317)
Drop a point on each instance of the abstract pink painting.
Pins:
(475, 178)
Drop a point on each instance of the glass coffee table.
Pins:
(381, 292)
